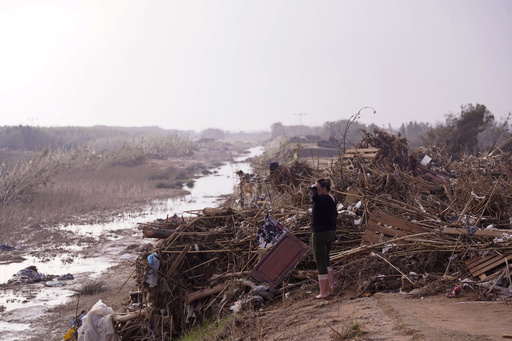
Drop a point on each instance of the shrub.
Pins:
(90, 287)
(351, 330)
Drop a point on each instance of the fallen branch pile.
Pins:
(419, 228)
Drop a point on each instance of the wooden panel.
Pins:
(366, 153)
(371, 226)
(480, 266)
(314, 151)
(486, 233)
(376, 232)
(279, 260)
(484, 263)
(370, 237)
(321, 163)
(474, 261)
(323, 156)
(352, 197)
(396, 222)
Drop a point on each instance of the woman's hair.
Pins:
(325, 183)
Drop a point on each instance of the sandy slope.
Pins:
(390, 316)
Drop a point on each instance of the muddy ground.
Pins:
(52, 323)
(385, 316)
(382, 316)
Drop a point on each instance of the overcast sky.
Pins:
(244, 65)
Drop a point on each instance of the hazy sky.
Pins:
(243, 65)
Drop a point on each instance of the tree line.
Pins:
(471, 131)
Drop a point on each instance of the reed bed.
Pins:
(59, 188)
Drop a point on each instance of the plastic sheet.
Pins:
(97, 324)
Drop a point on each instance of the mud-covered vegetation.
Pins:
(77, 174)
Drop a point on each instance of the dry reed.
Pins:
(97, 195)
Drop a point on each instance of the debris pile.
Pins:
(418, 223)
(200, 268)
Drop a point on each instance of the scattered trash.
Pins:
(135, 296)
(97, 324)
(27, 275)
(54, 283)
(66, 277)
(269, 233)
(126, 256)
(425, 161)
(76, 322)
(154, 263)
(5, 247)
(455, 291)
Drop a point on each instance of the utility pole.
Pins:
(32, 120)
(300, 117)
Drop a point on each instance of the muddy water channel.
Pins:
(207, 191)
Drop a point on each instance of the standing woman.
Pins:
(323, 227)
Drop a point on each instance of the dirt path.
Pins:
(389, 316)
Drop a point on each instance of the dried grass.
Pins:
(351, 330)
(92, 195)
(89, 288)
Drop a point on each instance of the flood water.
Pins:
(206, 192)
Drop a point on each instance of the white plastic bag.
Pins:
(97, 324)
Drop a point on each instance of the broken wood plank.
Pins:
(388, 232)
(129, 316)
(376, 231)
(217, 211)
(396, 222)
(476, 269)
(231, 274)
(482, 265)
(178, 261)
(484, 233)
(372, 238)
(352, 196)
(366, 153)
(153, 232)
(194, 296)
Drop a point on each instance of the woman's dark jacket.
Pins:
(323, 217)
